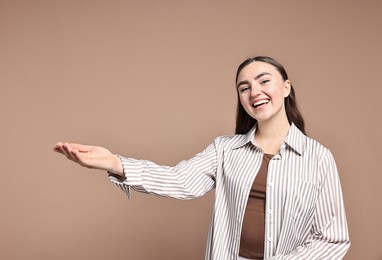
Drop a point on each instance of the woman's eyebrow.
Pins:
(244, 82)
(256, 78)
(262, 74)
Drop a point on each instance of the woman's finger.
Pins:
(58, 148)
(61, 149)
(80, 147)
(68, 150)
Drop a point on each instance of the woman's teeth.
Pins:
(260, 102)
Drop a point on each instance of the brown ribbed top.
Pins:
(253, 230)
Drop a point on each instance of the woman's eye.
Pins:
(244, 89)
(265, 81)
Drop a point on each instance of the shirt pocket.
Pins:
(301, 202)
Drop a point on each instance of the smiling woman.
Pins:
(244, 121)
(278, 193)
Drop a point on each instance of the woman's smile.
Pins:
(258, 104)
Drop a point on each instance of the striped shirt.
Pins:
(305, 215)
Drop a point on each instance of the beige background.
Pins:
(155, 80)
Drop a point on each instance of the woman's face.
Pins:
(262, 91)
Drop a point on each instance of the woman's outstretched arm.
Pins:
(93, 157)
(188, 179)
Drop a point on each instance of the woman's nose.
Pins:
(255, 90)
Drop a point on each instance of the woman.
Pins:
(277, 191)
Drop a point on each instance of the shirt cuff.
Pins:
(119, 180)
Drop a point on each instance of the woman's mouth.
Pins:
(260, 103)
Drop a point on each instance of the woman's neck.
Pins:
(270, 135)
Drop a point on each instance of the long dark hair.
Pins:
(245, 122)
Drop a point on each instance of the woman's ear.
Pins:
(287, 87)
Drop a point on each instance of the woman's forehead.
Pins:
(256, 68)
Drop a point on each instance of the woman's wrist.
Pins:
(117, 168)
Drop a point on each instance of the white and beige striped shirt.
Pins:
(305, 215)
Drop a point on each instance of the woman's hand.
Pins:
(93, 157)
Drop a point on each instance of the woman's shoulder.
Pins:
(231, 141)
(306, 144)
(315, 147)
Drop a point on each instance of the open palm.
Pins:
(93, 157)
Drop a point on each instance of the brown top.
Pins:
(253, 230)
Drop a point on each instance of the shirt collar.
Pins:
(295, 139)
(247, 138)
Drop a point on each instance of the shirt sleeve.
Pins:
(329, 238)
(188, 179)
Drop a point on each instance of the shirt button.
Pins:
(270, 184)
(269, 211)
(269, 239)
